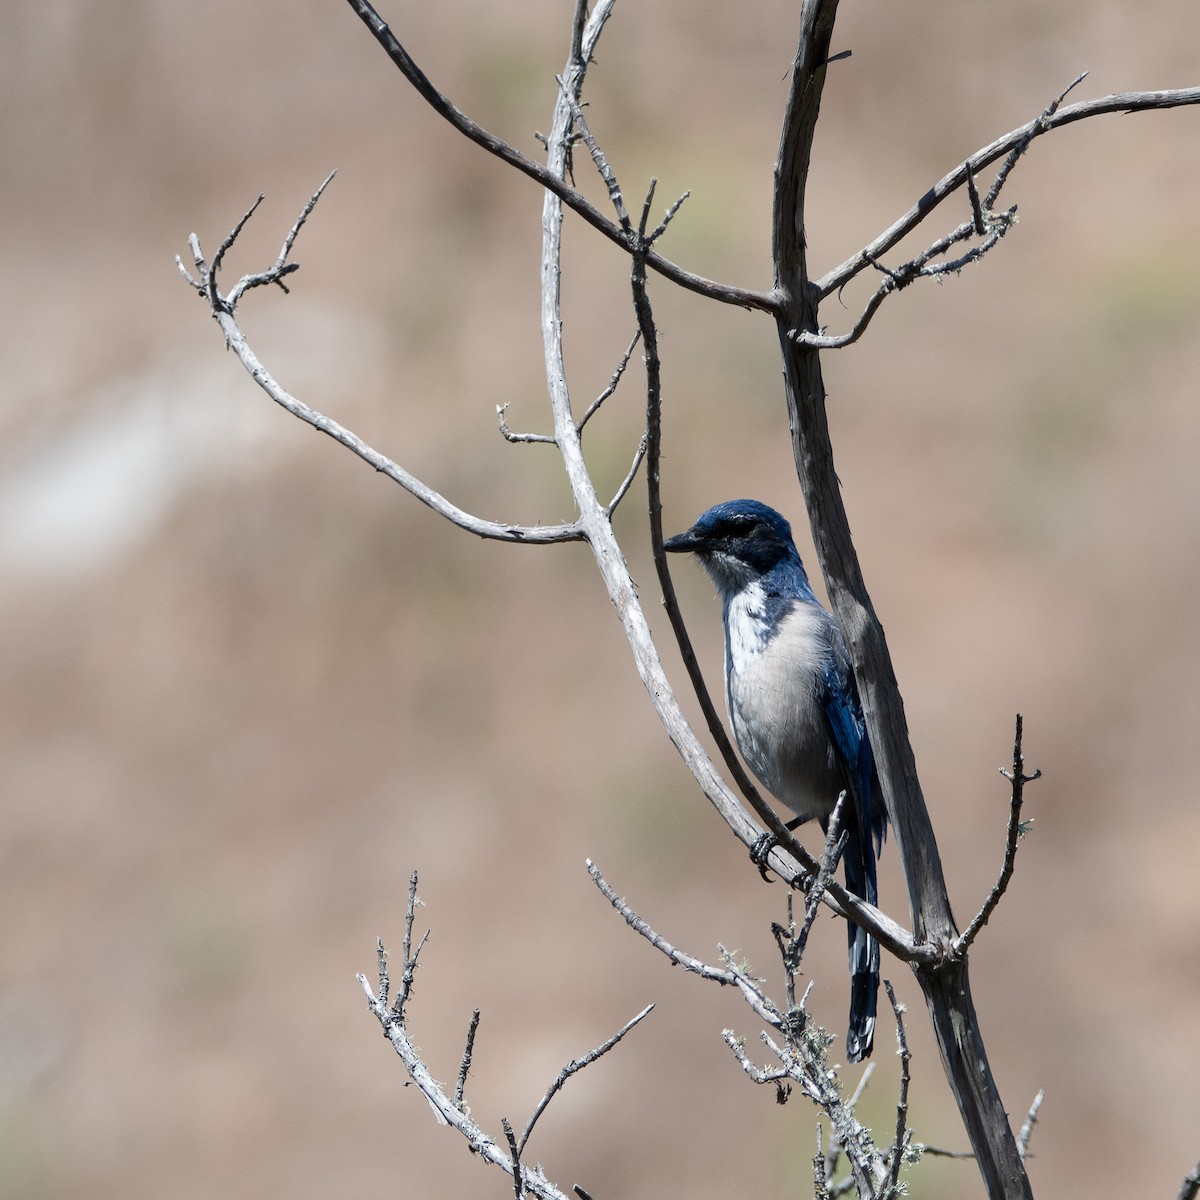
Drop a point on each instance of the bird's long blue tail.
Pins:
(858, 859)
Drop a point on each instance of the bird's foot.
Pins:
(764, 844)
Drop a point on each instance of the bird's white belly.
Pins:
(772, 689)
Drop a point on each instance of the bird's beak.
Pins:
(684, 542)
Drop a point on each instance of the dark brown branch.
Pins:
(946, 986)
(743, 297)
(649, 337)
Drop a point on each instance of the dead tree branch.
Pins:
(1019, 138)
(946, 986)
(800, 1048)
(452, 1110)
(223, 307)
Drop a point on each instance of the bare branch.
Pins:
(743, 297)
(281, 266)
(385, 982)
(1016, 830)
(223, 307)
(445, 1108)
(578, 1064)
(677, 957)
(779, 832)
(1055, 118)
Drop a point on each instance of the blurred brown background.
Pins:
(247, 685)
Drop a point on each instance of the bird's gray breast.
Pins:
(775, 668)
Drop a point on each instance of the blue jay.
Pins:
(794, 707)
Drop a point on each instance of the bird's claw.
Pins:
(763, 845)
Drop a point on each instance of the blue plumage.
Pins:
(794, 707)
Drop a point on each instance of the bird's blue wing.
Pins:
(865, 826)
(844, 716)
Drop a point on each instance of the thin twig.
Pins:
(835, 843)
(649, 335)
(521, 438)
(1016, 830)
(668, 217)
(638, 455)
(835, 1146)
(976, 207)
(281, 266)
(731, 976)
(594, 407)
(578, 1064)
(231, 237)
(1019, 149)
(443, 1106)
(1031, 1119)
(902, 1137)
(616, 199)
(678, 957)
(410, 956)
(514, 1154)
(465, 1065)
(385, 982)
(820, 1177)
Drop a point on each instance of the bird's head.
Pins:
(739, 542)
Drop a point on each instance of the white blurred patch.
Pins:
(77, 497)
